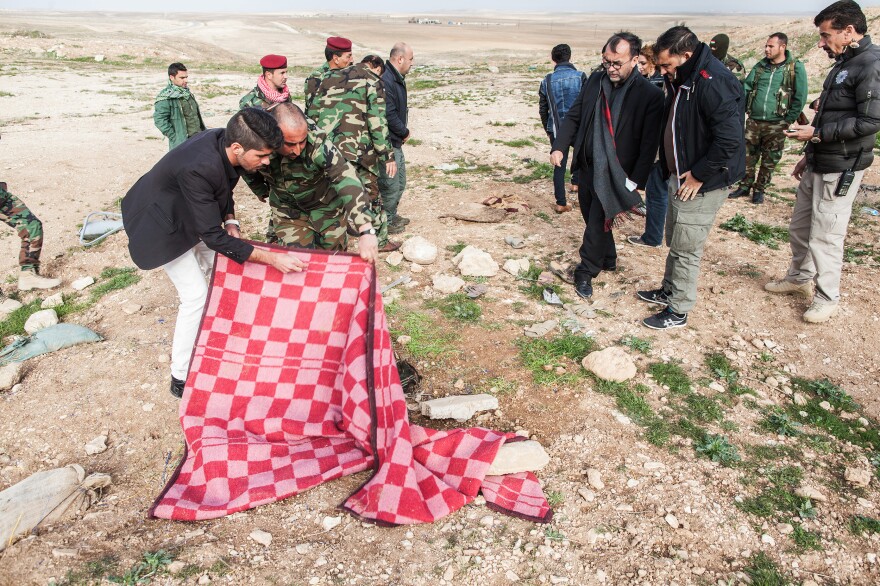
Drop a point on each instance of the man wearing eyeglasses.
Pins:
(614, 126)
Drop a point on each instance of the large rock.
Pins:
(611, 364)
(9, 305)
(10, 375)
(447, 284)
(473, 262)
(40, 320)
(515, 266)
(858, 477)
(419, 251)
(515, 457)
(459, 407)
(52, 301)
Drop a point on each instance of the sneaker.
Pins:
(637, 240)
(820, 312)
(584, 289)
(28, 280)
(758, 197)
(666, 320)
(562, 209)
(656, 296)
(177, 387)
(783, 287)
(390, 246)
(741, 192)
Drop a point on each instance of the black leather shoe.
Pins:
(741, 192)
(177, 387)
(584, 288)
(610, 267)
(758, 197)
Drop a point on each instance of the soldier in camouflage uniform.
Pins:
(349, 106)
(314, 193)
(271, 86)
(338, 55)
(719, 46)
(16, 214)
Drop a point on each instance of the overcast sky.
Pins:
(415, 6)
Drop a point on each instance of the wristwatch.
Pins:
(816, 138)
(371, 232)
(233, 221)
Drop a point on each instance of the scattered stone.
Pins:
(857, 477)
(621, 418)
(632, 483)
(799, 399)
(492, 69)
(52, 301)
(654, 465)
(758, 343)
(460, 407)
(331, 522)
(303, 548)
(82, 283)
(587, 494)
(131, 308)
(9, 305)
(768, 539)
(624, 508)
(510, 575)
(419, 250)
(785, 528)
(516, 265)
(716, 386)
(264, 538)
(148, 407)
(611, 364)
(175, 567)
(394, 258)
(193, 534)
(672, 520)
(546, 278)
(449, 573)
(810, 492)
(581, 310)
(10, 375)
(558, 580)
(447, 284)
(560, 370)
(594, 478)
(459, 384)
(474, 262)
(864, 422)
(40, 320)
(540, 330)
(514, 457)
(770, 380)
(65, 553)
(871, 558)
(487, 521)
(404, 340)
(416, 268)
(825, 405)
(97, 445)
(865, 503)
(204, 579)
(515, 242)
(99, 58)
(475, 290)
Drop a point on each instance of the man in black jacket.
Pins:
(614, 126)
(839, 149)
(396, 112)
(181, 212)
(702, 153)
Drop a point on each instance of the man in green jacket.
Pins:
(776, 93)
(176, 113)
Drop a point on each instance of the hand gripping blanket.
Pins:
(293, 383)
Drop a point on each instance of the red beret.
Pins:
(274, 62)
(338, 44)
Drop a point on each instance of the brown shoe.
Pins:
(390, 247)
(562, 209)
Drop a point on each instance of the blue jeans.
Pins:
(559, 179)
(656, 202)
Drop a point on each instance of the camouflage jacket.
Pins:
(320, 177)
(349, 105)
(254, 99)
(735, 66)
(312, 82)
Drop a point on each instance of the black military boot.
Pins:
(758, 197)
(741, 192)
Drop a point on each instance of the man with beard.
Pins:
(176, 112)
(271, 86)
(614, 126)
(181, 212)
(840, 144)
(338, 55)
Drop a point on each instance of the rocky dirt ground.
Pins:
(743, 451)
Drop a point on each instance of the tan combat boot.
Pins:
(782, 286)
(820, 312)
(28, 280)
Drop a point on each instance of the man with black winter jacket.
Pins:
(702, 152)
(839, 148)
(396, 112)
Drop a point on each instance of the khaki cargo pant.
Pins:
(687, 226)
(817, 231)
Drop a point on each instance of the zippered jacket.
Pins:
(565, 85)
(707, 106)
(396, 110)
(849, 112)
(765, 81)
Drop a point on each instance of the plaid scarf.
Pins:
(173, 92)
(270, 93)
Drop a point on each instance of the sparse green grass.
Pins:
(459, 184)
(805, 540)
(13, 325)
(29, 34)
(517, 143)
(777, 421)
(670, 374)
(543, 216)
(632, 403)
(91, 573)
(498, 386)
(533, 289)
(642, 345)
(860, 525)
(506, 124)
(538, 171)
(763, 571)
(554, 534)
(457, 247)
(6, 95)
(535, 353)
(765, 234)
(423, 84)
(460, 307)
(555, 498)
(721, 368)
(428, 340)
(702, 409)
(718, 449)
(414, 142)
(777, 499)
(151, 564)
(114, 279)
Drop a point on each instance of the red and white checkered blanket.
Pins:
(293, 383)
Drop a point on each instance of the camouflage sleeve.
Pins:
(376, 124)
(247, 101)
(310, 87)
(257, 184)
(344, 181)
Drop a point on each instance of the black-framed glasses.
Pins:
(611, 64)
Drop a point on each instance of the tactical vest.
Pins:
(783, 94)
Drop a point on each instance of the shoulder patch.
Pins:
(705, 74)
(841, 76)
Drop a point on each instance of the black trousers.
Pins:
(597, 250)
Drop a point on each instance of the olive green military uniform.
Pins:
(310, 86)
(735, 66)
(315, 197)
(255, 99)
(29, 228)
(349, 105)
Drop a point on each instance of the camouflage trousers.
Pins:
(765, 141)
(323, 228)
(376, 212)
(29, 228)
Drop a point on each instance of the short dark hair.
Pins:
(842, 14)
(561, 53)
(783, 38)
(635, 43)
(374, 61)
(330, 53)
(678, 40)
(254, 129)
(175, 68)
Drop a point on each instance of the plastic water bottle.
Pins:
(871, 211)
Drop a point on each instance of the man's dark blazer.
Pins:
(637, 135)
(181, 200)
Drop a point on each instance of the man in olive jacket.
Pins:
(840, 143)
(177, 114)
